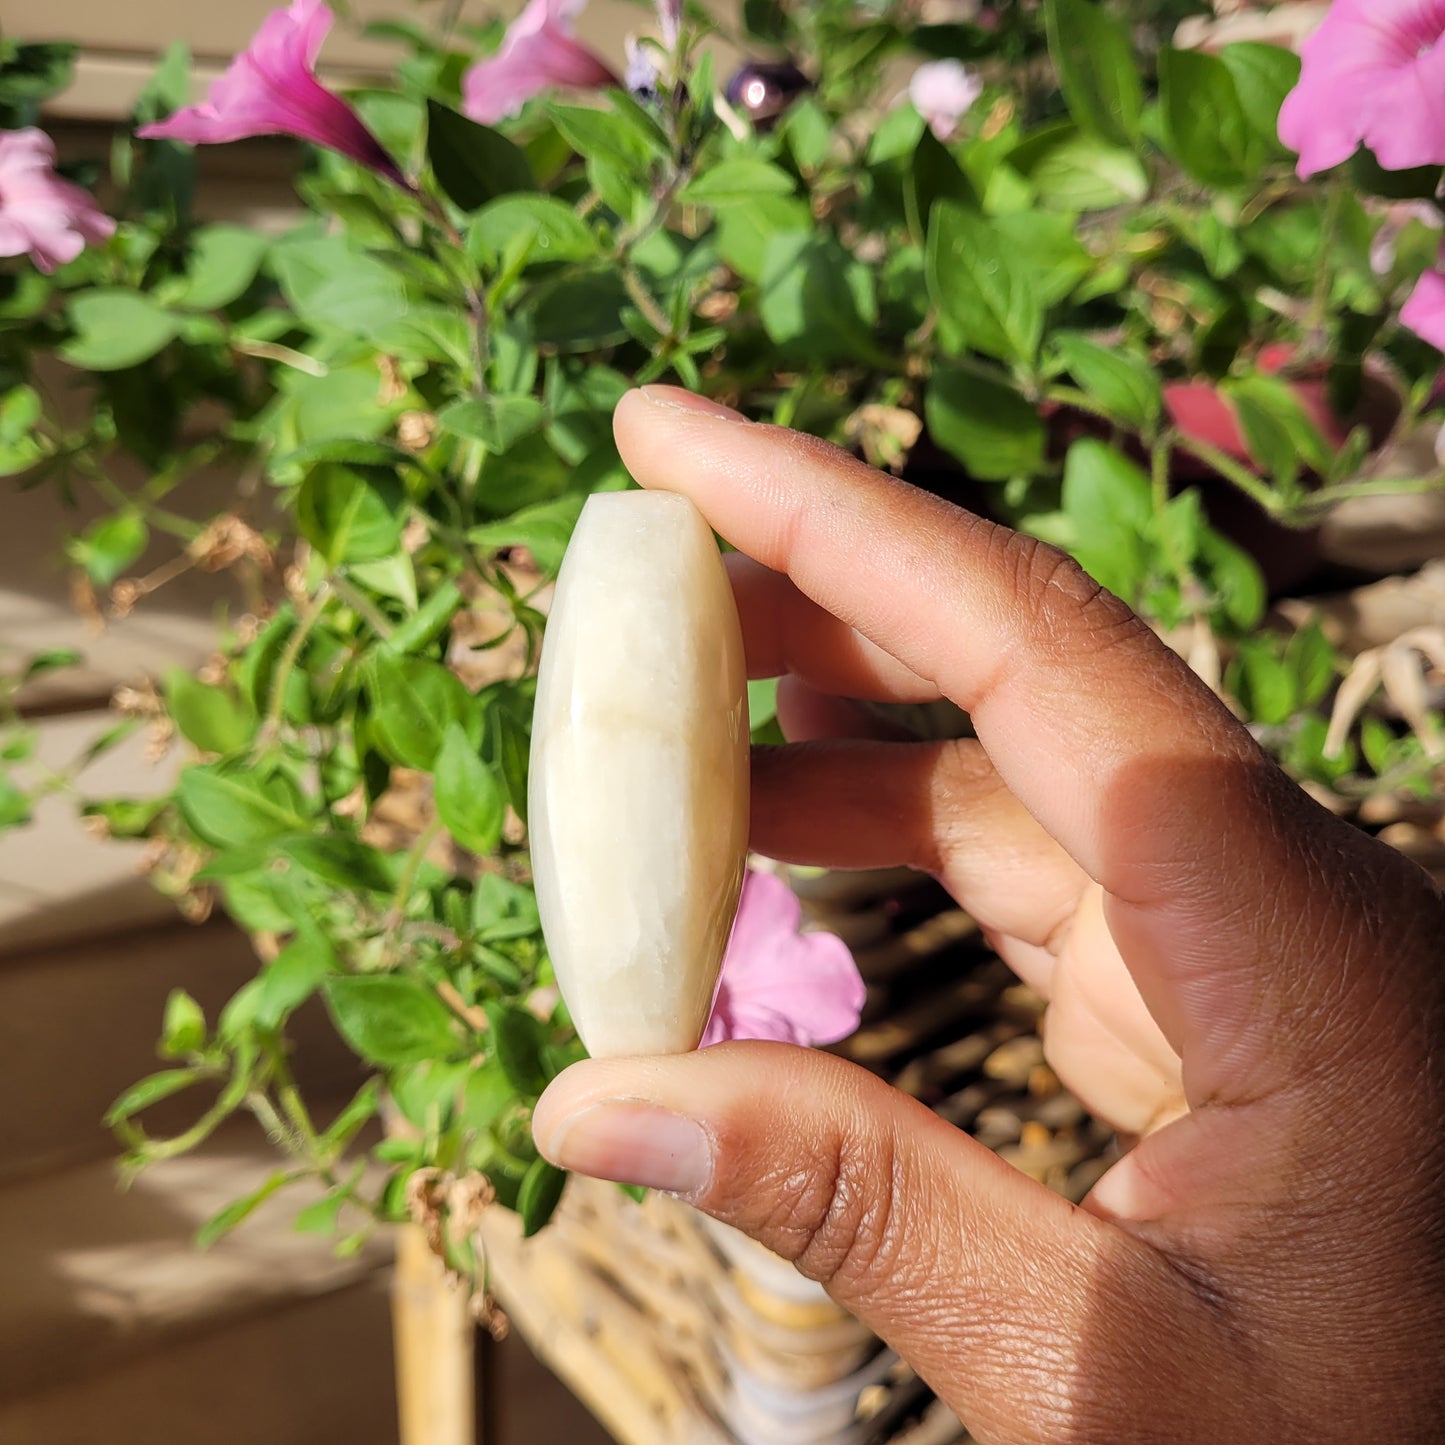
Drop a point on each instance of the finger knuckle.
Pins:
(835, 1215)
(1063, 606)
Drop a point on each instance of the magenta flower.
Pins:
(271, 88)
(943, 92)
(777, 983)
(1373, 74)
(540, 51)
(1424, 312)
(42, 216)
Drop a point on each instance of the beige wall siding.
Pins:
(120, 41)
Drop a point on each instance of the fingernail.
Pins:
(679, 400)
(633, 1143)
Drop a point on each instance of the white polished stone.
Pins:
(638, 803)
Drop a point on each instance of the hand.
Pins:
(1267, 1266)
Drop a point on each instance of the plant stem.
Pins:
(645, 303)
(410, 869)
(1159, 490)
(1231, 470)
(363, 606)
(1373, 487)
(286, 665)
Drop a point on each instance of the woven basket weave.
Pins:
(676, 1331)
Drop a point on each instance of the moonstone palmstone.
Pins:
(638, 804)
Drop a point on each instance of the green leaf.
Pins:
(977, 283)
(341, 861)
(413, 701)
(1097, 70)
(934, 175)
(221, 266)
(744, 230)
(116, 328)
(539, 1196)
(389, 1019)
(17, 745)
(351, 514)
(581, 311)
(1271, 693)
(1077, 172)
(14, 806)
(329, 283)
(812, 298)
(20, 412)
(544, 530)
(126, 817)
(556, 232)
(109, 546)
(763, 711)
(1278, 431)
(1206, 128)
(51, 661)
(364, 1105)
(486, 1094)
(473, 163)
(613, 136)
(1107, 499)
(517, 1041)
(1263, 76)
(739, 178)
(427, 1093)
(1045, 248)
(1313, 661)
(212, 718)
(234, 809)
(502, 909)
(497, 422)
(225, 1220)
(183, 1030)
(1121, 381)
(393, 576)
(294, 975)
(1236, 578)
(429, 620)
(508, 741)
(322, 1216)
(1219, 245)
(993, 430)
(151, 1091)
(469, 799)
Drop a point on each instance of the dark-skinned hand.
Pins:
(1251, 986)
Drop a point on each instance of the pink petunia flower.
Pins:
(669, 22)
(271, 88)
(1373, 74)
(539, 52)
(943, 92)
(1424, 312)
(777, 983)
(43, 216)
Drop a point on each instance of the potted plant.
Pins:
(1018, 278)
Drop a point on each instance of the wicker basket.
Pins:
(677, 1331)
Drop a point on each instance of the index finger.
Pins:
(1106, 736)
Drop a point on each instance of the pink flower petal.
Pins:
(42, 215)
(271, 89)
(1372, 75)
(1424, 312)
(943, 92)
(538, 53)
(777, 983)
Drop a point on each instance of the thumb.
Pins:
(980, 1278)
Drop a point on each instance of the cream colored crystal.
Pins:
(638, 803)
